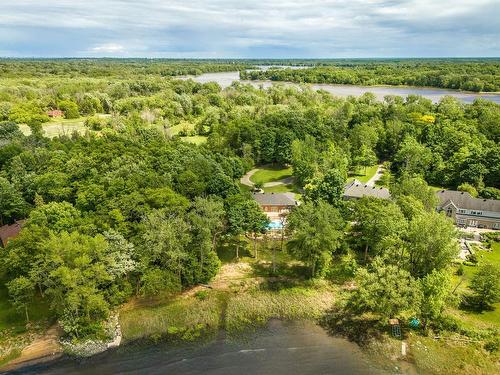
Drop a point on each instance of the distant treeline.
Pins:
(469, 75)
(123, 68)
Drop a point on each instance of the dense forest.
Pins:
(131, 206)
(479, 75)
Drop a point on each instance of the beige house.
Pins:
(275, 204)
(468, 211)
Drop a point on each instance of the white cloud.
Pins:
(247, 28)
(108, 48)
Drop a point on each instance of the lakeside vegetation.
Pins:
(457, 74)
(135, 209)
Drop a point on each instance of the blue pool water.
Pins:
(275, 224)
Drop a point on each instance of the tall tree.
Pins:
(21, 292)
(386, 290)
(376, 219)
(317, 232)
(432, 243)
(486, 285)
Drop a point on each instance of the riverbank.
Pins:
(435, 94)
(245, 298)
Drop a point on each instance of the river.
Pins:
(225, 79)
(282, 348)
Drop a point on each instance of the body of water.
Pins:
(282, 348)
(225, 79)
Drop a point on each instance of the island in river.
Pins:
(225, 79)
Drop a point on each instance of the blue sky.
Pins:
(245, 29)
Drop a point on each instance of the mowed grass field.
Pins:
(271, 173)
(58, 127)
(61, 126)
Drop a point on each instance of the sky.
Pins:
(250, 29)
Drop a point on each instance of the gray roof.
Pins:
(274, 199)
(356, 189)
(464, 200)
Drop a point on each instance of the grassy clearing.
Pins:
(185, 317)
(270, 173)
(487, 317)
(58, 127)
(196, 139)
(451, 357)
(251, 310)
(183, 126)
(363, 175)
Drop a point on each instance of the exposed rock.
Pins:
(91, 347)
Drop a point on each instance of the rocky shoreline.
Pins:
(88, 348)
(50, 347)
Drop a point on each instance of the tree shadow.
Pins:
(472, 303)
(282, 269)
(359, 329)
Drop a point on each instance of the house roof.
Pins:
(55, 112)
(356, 189)
(10, 231)
(462, 199)
(274, 199)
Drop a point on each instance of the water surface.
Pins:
(225, 79)
(283, 348)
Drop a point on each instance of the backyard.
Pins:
(485, 318)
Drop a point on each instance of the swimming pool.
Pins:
(275, 224)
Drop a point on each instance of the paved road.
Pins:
(245, 180)
(376, 176)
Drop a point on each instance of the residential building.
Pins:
(55, 113)
(9, 232)
(356, 189)
(468, 211)
(275, 204)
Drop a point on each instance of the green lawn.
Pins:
(61, 126)
(196, 139)
(58, 127)
(270, 173)
(10, 319)
(486, 317)
(176, 129)
(292, 188)
(437, 188)
(363, 176)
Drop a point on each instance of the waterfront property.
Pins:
(468, 211)
(356, 189)
(275, 205)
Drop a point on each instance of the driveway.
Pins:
(376, 176)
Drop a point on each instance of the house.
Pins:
(275, 204)
(55, 113)
(468, 211)
(356, 189)
(9, 232)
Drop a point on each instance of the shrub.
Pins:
(472, 258)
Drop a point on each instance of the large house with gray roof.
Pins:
(275, 203)
(356, 190)
(468, 211)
